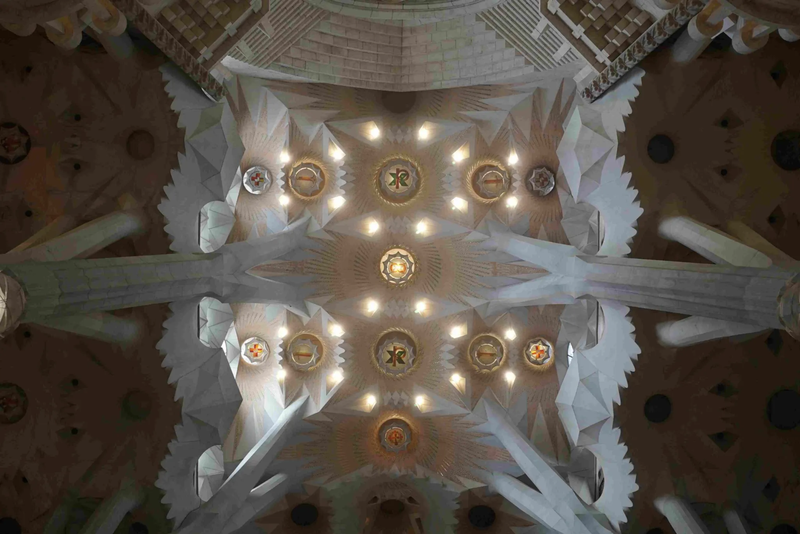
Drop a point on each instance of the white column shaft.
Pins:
(694, 330)
(711, 243)
(680, 515)
(106, 519)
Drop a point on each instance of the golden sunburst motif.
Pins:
(395, 435)
(398, 266)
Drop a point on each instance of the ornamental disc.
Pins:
(398, 266)
(307, 180)
(255, 351)
(305, 352)
(540, 181)
(395, 435)
(257, 180)
(538, 352)
(15, 143)
(486, 352)
(395, 352)
(398, 181)
(490, 182)
(13, 403)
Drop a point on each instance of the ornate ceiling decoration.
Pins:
(382, 330)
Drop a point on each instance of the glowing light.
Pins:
(375, 132)
(423, 133)
(459, 203)
(510, 377)
(285, 157)
(283, 200)
(371, 401)
(420, 307)
(422, 227)
(374, 226)
(337, 376)
(336, 330)
(281, 374)
(510, 334)
(457, 331)
(372, 306)
(512, 202)
(458, 155)
(337, 153)
(456, 378)
(337, 202)
(282, 332)
(512, 157)
(419, 401)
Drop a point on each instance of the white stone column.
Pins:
(529, 501)
(680, 515)
(734, 522)
(701, 29)
(750, 36)
(240, 498)
(753, 239)
(737, 294)
(106, 519)
(62, 224)
(103, 326)
(711, 243)
(89, 238)
(555, 491)
(666, 4)
(789, 35)
(694, 330)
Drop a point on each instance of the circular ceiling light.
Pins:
(305, 351)
(398, 266)
(540, 181)
(398, 181)
(392, 507)
(307, 180)
(255, 351)
(486, 352)
(257, 180)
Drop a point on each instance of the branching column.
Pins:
(556, 505)
(680, 515)
(701, 29)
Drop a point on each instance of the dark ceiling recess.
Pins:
(783, 409)
(783, 529)
(138, 528)
(392, 507)
(657, 408)
(9, 525)
(304, 514)
(481, 516)
(398, 102)
(655, 531)
(660, 148)
(786, 150)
